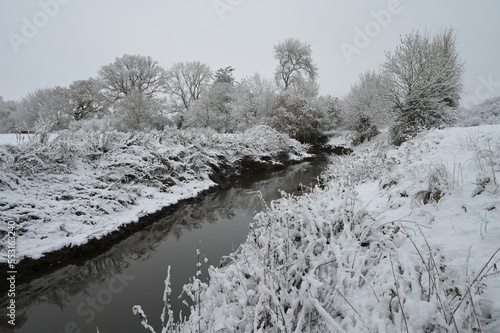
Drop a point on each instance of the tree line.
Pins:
(417, 87)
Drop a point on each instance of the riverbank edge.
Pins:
(223, 176)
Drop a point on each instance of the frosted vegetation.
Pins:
(86, 182)
(393, 240)
(400, 236)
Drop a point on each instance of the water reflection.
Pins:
(101, 291)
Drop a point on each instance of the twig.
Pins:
(397, 294)
(345, 299)
(137, 310)
(326, 316)
(474, 281)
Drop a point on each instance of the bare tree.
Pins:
(133, 73)
(134, 85)
(295, 63)
(186, 81)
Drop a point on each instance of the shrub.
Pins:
(364, 130)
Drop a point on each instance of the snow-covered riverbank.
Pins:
(85, 184)
(395, 240)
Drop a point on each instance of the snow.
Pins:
(393, 240)
(9, 139)
(485, 113)
(19, 139)
(85, 184)
(341, 140)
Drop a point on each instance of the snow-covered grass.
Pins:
(487, 112)
(393, 240)
(86, 183)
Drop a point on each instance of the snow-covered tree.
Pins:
(49, 105)
(9, 112)
(138, 111)
(225, 75)
(424, 78)
(366, 109)
(295, 64)
(86, 99)
(199, 113)
(326, 111)
(214, 108)
(367, 99)
(294, 115)
(303, 117)
(252, 101)
(264, 92)
(230, 106)
(133, 73)
(185, 81)
(221, 92)
(140, 82)
(296, 76)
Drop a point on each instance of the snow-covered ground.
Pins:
(20, 139)
(394, 240)
(400, 239)
(84, 184)
(10, 139)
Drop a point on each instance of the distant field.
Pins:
(13, 139)
(16, 139)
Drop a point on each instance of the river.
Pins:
(101, 291)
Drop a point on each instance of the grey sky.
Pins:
(76, 37)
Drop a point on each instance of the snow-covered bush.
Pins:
(298, 117)
(364, 130)
(367, 100)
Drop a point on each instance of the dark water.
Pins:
(101, 291)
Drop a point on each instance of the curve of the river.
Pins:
(100, 291)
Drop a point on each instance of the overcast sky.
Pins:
(54, 42)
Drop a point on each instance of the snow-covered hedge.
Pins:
(87, 182)
(394, 240)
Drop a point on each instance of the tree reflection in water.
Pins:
(59, 293)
